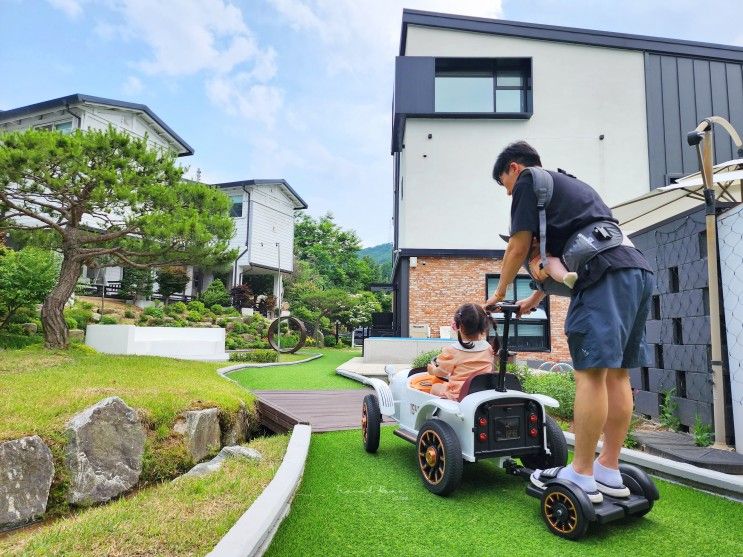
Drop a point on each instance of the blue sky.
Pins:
(294, 89)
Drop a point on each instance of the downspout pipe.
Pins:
(79, 120)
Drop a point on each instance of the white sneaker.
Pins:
(619, 491)
(540, 477)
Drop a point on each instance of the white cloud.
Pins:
(72, 8)
(132, 85)
(238, 96)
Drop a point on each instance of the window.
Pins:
(237, 206)
(64, 127)
(483, 85)
(531, 333)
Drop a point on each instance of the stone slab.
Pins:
(681, 447)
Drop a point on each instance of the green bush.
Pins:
(258, 344)
(154, 311)
(235, 342)
(669, 412)
(217, 309)
(16, 342)
(196, 306)
(70, 322)
(329, 341)
(259, 356)
(178, 307)
(80, 313)
(422, 360)
(193, 316)
(109, 320)
(221, 322)
(560, 386)
(702, 432)
(129, 314)
(216, 293)
(240, 328)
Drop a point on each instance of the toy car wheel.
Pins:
(440, 460)
(371, 420)
(639, 483)
(557, 446)
(562, 513)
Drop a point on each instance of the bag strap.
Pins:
(543, 186)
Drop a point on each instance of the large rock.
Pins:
(30, 328)
(238, 432)
(215, 464)
(76, 334)
(104, 451)
(200, 429)
(26, 472)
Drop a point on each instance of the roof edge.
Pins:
(591, 37)
(266, 182)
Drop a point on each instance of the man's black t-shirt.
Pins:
(574, 204)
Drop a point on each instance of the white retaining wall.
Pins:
(394, 350)
(187, 343)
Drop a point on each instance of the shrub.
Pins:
(340, 344)
(193, 316)
(109, 320)
(216, 293)
(217, 309)
(129, 314)
(196, 306)
(242, 296)
(222, 323)
(178, 307)
(154, 311)
(329, 341)
(422, 360)
(81, 313)
(70, 322)
(240, 328)
(702, 432)
(560, 386)
(16, 342)
(669, 411)
(258, 344)
(235, 342)
(259, 356)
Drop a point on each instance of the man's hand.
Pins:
(494, 299)
(528, 304)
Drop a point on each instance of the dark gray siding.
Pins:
(680, 92)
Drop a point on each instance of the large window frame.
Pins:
(541, 343)
(64, 126)
(499, 71)
(236, 209)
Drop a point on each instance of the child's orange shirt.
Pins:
(457, 363)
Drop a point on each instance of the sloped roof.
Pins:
(299, 203)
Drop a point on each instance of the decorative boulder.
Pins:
(76, 334)
(96, 317)
(104, 452)
(26, 472)
(238, 432)
(30, 328)
(215, 464)
(201, 432)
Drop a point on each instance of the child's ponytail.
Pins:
(473, 321)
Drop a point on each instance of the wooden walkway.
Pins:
(280, 411)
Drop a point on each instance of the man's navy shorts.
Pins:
(605, 323)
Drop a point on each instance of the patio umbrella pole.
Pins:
(703, 138)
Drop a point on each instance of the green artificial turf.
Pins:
(318, 374)
(353, 503)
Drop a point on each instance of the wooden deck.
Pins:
(280, 411)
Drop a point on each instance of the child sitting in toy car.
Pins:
(469, 355)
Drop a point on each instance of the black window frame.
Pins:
(513, 343)
(489, 67)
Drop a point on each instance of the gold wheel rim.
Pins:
(560, 512)
(431, 459)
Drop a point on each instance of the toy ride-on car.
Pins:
(492, 418)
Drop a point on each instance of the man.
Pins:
(605, 323)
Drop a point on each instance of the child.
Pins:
(554, 269)
(471, 354)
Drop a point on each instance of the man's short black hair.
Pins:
(520, 152)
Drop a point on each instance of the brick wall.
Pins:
(439, 285)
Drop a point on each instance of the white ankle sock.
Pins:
(607, 476)
(586, 483)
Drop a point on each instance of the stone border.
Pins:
(681, 472)
(352, 375)
(229, 369)
(252, 533)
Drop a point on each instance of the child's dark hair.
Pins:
(472, 320)
(520, 152)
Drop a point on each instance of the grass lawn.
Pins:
(187, 517)
(318, 374)
(42, 389)
(353, 503)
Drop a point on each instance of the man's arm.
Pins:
(519, 245)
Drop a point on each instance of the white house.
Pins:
(263, 209)
(611, 108)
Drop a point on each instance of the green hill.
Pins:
(382, 256)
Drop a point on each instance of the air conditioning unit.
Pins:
(420, 331)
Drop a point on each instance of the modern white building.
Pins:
(612, 109)
(263, 209)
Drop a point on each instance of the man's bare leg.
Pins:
(618, 417)
(590, 413)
